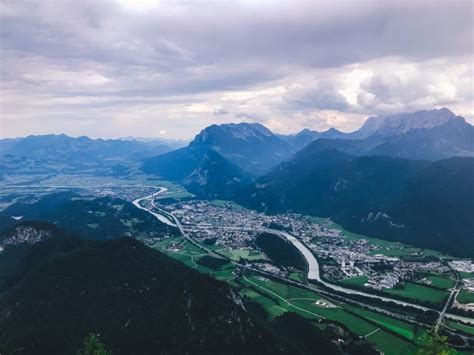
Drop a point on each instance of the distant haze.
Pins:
(167, 69)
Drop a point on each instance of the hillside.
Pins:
(139, 301)
(423, 204)
(96, 218)
(16, 243)
(216, 177)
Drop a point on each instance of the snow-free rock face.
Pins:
(405, 122)
(240, 131)
(27, 232)
(432, 135)
(216, 177)
(250, 146)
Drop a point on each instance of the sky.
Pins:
(153, 68)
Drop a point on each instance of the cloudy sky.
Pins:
(168, 68)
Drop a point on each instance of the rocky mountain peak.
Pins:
(404, 122)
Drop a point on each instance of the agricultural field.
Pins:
(174, 191)
(418, 293)
(278, 298)
(459, 326)
(466, 275)
(224, 203)
(440, 281)
(405, 329)
(388, 248)
(296, 276)
(355, 281)
(237, 254)
(391, 344)
(465, 296)
(180, 249)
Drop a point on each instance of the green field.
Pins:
(187, 254)
(223, 203)
(388, 248)
(441, 282)
(466, 275)
(405, 329)
(456, 325)
(226, 273)
(391, 344)
(296, 276)
(303, 302)
(237, 254)
(356, 281)
(419, 293)
(395, 252)
(465, 296)
(174, 191)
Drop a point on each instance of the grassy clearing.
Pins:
(395, 252)
(283, 290)
(174, 190)
(237, 254)
(405, 329)
(441, 282)
(226, 273)
(303, 302)
(272, 306)
(466, 275)
(358, 324)
(186, 252)
(465, 297)
(356, 281)
(389, 248)
(456, 325)
(223, 203)
(419, 293)
(390, 344)
(296, 276)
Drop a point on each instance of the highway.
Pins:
(454, 290)
(164, 216)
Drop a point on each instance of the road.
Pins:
(164, 216)
(314, 273)
(454, 290)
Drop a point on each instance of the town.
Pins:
(232, 230)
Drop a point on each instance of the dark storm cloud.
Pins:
(69, 53)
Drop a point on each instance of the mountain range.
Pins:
(367, 180)
(61, 153)
(431, 135)
(349, 177)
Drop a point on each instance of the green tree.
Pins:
(93, 346)
(434, 344)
